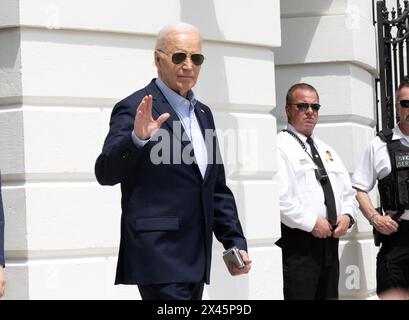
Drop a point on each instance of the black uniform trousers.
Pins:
(310, 265)
(172, 291)
(392, 265)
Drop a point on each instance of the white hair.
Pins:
(177, 27)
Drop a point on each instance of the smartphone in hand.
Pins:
(233, 255)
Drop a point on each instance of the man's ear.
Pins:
(397, 112)
(157, 59)
(287, 110)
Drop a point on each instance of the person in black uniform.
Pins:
(2, 273)
(387, 160)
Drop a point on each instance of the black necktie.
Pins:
(323, 178)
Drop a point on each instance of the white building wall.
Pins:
(63, 65)
(331, 45)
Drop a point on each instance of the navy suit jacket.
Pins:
(169, 212)
(1, 229)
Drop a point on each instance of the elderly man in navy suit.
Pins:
(2, 273)
(174, 193)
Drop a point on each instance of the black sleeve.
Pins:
(119, 154)
(2, 262)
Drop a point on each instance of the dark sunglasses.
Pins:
(404, 103)
(179, 57)
(304, 106)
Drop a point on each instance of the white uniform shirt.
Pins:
(375, 164)
(301, 194)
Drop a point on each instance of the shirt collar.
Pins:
(398, 134)
(302, 137)
(177, 102)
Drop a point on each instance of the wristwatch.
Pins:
(351, 220)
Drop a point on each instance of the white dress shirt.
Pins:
(301, 194)
(185, 110)
(375, 164)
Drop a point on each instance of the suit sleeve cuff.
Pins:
(139, 143)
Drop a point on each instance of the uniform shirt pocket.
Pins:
(304, 170)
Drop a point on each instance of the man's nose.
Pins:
(187, 63)
(309, 109)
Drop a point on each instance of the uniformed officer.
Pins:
(387, 160)
(317, 201)
(2, 273)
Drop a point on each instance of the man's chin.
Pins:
(185, 82)
(185, 86)
(308, 129)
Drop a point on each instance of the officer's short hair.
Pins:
(290, 92)
(403, 84)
